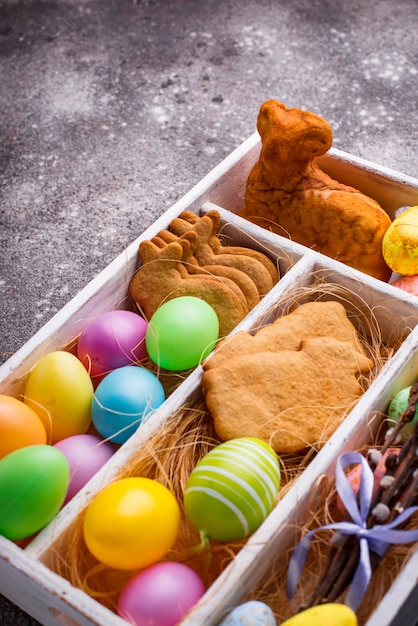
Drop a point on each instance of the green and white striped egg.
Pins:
(232, 489)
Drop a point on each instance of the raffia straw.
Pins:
(172, 452)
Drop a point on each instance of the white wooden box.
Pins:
(25, 575)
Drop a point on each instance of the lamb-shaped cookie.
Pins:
(162, 277)
(257, 266)
(290, 398)
(289, 194)
(308, 320)
(190, 241)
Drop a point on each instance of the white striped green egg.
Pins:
(232, 489)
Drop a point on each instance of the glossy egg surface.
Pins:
(33, 484)
(60, 391)
(233, 489)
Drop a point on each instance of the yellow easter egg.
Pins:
(400, 243)
(60, 391)
(331, 614)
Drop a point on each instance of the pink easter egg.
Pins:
(354, 477)
(408, 283)
(160, 595)
(86, 454)
(112, 340)
(380, 470)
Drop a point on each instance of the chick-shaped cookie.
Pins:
(162, 277)
(291, 383)
(246, 287)
(289, 194)
(255, 264)
(292, 399)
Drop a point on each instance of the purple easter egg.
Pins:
(112, 340)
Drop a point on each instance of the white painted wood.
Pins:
(46, 596)
(388, 612)
(24, 574)
(390, 188)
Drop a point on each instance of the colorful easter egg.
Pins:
(407, 283)
(20, 426)
(181, 333)
(60, 391)
(397, 406)
(331, 614)
(160, 594)
(400, 243)
(354, 477)
(251, 613)
(33, 485)
(232, 489)
(132, 523)
(380, 470)
(85, 454)
(112, 340)
(123, 399)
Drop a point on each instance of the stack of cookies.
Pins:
(190, 259)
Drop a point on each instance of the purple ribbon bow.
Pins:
(377, 538)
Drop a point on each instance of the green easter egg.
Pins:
(181, 333)
(33, 485)
(397, 406)
(232, 489)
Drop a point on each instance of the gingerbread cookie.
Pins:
(219, 248)
(311, 319)
(244, 259)
(244, 283)
(290, 383)
(180, 261)
(162, 277)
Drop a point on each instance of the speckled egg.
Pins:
(397, 406)
(400, 243)
(252, 613)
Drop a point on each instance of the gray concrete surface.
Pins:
(112, 109)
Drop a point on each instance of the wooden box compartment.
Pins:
(26, 576)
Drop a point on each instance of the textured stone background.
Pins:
(112, 109)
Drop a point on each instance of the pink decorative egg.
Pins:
(160, 594)
(85, 454)
(380, 470)
(112, 340)
(408, 283)
(354, 477)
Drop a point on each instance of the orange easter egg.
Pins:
(19, 426)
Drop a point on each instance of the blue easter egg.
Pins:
(123, 399)
(252, 613)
